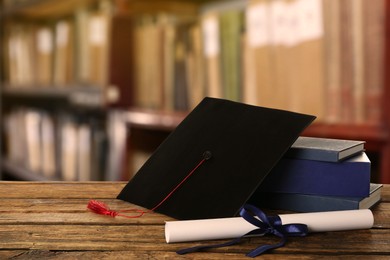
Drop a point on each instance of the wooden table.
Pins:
(49, 220)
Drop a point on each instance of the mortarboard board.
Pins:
(244, 141)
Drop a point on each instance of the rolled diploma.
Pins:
(223, 228)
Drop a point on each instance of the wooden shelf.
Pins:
(23, 173)
(149, 119)
(52, 9)
(154, 120)
(184, 8)
(88, 96)
(45, 8)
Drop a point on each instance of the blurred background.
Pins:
(90, 88)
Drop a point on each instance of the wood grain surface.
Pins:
(49, 220)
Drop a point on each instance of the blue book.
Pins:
(312, 203)
(350, 177)
(324, 149)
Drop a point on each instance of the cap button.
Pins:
(207, 155)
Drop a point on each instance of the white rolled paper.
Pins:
(224, 228)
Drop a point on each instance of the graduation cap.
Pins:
(215, 159)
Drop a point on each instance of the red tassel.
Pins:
(101, 208)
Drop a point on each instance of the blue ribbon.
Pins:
(266, 225)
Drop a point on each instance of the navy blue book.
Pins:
(324, 149)
(350, 177)
(312, 203)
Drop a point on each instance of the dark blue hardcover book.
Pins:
(312, 203)
(324, 149)
(350, 177)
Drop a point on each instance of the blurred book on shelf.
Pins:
(66, 51)
(60, 145)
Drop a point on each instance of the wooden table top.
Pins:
(49, 220)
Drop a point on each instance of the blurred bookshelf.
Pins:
(122, 74)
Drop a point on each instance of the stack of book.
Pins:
(320, 174)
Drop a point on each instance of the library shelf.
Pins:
(148, 124)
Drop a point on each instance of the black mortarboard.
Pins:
(245, 143)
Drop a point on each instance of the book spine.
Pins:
(303, 203)
(313, 154)
(346, 178)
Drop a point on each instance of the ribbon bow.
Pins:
(266, 225)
